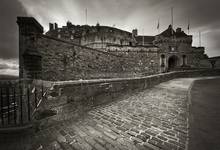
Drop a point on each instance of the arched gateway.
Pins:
(173, 62)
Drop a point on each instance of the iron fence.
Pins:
(18, 103)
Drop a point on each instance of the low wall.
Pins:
(74, 98)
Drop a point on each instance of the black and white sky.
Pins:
(124, 14)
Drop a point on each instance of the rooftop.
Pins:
(169, 32)
(147, 39)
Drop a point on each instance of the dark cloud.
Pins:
(125, 14)
(9, 67)
(204, 16)
(4, 66)
(9, 10)
(201, 12)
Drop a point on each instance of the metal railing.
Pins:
(19, 102)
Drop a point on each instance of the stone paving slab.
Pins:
(153, 119)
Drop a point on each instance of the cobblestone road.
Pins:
(155, 118)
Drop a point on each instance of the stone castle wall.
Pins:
(65, 61)
(105, 36)
(207, 63)
(50, 58)
(75, 98)
(97, 37)
(179, 45)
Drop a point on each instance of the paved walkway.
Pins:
(150, 120)
(205, 115)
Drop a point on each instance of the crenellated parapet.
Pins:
(176, 40)
(92, 36)
(171, 41)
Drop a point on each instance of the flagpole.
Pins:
(172, 20)
(188, 24)
(86, 16)
(159, 26)
(200, 39)
(143, 37)
(172, 16)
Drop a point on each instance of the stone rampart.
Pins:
(50, 58)
(75, 98)
(62, 60)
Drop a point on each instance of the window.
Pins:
(172, 48)
(184, 60)
(121, 41)
(162, 60)
(114, 39)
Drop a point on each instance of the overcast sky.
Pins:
(124, 14)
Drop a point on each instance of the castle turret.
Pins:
(51, 26)
(55, 26)
(135, 32)
(68, 24)
(178, 30)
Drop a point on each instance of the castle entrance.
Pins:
(172, 62)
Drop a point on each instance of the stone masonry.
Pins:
(153, 119)
(71, 99)
(50, 58)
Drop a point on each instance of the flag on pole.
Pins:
(188, 27)
(158, 25)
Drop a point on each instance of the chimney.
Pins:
(51, 26)
(134, 32)
(55, 25)
(178, 30)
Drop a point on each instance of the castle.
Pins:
(84, 52)
(175, 48)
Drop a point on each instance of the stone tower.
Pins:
(29, 59)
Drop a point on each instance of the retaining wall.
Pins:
(74, 98)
